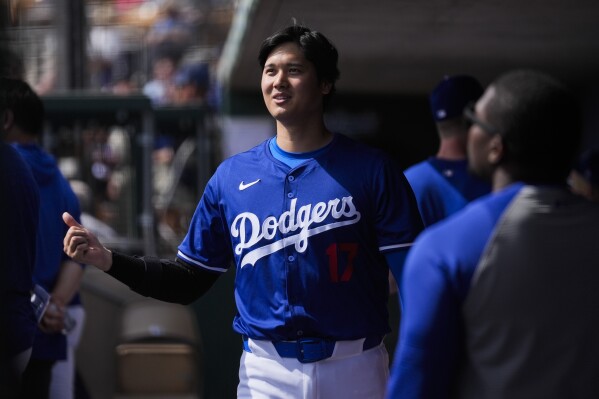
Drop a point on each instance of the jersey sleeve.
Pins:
(206, 243)
(398, 220)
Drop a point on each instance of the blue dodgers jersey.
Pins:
(307, 242)
(443, 187)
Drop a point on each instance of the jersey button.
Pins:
(289, 195)
(300, 333)
(291, 178)
(291, 258)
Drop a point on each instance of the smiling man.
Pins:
(311, 220)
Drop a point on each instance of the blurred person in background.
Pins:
(160, 88)
(171, 32)
(19, 216)
(584, 177)
(442, 183)
(501, 298)
(88, 218)
(191, 84)
(56, 273)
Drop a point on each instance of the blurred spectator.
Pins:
(162, 157)
(191, 84)
(584, 177)
(159, 89)
(123, 82)
(119, 187)
(88, 218)
(171, 32)
(173, 200)
(104, 50)
(127, 5)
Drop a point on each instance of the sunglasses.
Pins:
(471, 119)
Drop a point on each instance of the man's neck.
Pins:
(452, 148)
(17, 135)
(501, 179)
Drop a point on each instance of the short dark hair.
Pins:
(539, 120)
(11, 63)
(314, 45)
(24, 103)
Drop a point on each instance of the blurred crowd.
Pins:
(166, 49)
(165, 60)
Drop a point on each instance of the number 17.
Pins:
(334, 251)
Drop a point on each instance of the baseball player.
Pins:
(311, 220)
(510, 294)
(442, 183)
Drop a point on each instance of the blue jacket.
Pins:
(56, 197)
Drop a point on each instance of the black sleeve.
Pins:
(166, 280)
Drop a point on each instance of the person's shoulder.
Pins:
(483, 210)
(418, 169)
(14, 168)
(8, 154)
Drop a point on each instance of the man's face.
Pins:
(480, 140)
(290, 86)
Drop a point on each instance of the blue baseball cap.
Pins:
(196, 74)
(452, 94)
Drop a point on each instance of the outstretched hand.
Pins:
(83, 246)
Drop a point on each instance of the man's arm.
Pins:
(396, 261)
(425, 357)
(166, 280)
(67, 284)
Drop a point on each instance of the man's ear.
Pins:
(325, 87)
(496, 150)
(6, 120)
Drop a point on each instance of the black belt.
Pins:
(309, 350)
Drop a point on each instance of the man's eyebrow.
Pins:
(288, 64)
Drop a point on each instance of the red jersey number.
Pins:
(341, 261)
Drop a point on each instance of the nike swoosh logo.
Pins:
(243, 186)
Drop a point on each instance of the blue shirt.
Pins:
(56, 197)
(443, 187)
(19, 209)
(308, 242)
